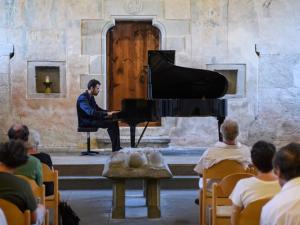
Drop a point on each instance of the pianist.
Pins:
(91, 115)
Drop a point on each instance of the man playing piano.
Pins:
(91, 115)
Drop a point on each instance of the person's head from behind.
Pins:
(287, 163)
(229, 130)
(262, 154)
(13, 154)
(18, 131)
(94, 87)
(33, 141)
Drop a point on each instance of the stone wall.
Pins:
(262, 34)
(6, 50)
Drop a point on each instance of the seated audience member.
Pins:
(33, 142)
(284, 207)
(263, 185)
(229, 149)
(33, 167)
(19, 131)
(15, 189)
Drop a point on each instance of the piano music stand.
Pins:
(88, 139)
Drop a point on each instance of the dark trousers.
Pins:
(112, 130)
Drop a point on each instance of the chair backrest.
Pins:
(221, 204)
(217, 172)
(38, 191)
(228, 183)
(50, 175)
(223, 168)
(13, 214)
(251, 214)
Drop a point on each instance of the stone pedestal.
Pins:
(153, 198)
(118, 206)
(152, 190)
(147, 165)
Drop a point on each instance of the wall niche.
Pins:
(46, 79)
(235, 74)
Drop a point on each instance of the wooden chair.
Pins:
(39, 193)
(251, 214)
(221, 204)
(13, 214)
(52, 201)
(218, 172)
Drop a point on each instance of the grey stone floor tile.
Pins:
(94, 207)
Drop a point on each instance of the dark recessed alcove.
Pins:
(47, 76)
(46, 79)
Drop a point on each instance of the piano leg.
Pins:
(132, 135)
(137, 144)
(220, 121)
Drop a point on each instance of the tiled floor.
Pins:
(94, 207)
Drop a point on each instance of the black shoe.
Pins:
(118, 149)
(197, 201)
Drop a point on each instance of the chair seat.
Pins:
(87, 129)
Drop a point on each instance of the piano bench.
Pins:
(87, 130)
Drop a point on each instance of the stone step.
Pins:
(99, 182)
(150, 131)
(146, 141)
(90, 170)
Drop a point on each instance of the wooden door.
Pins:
(128, 43)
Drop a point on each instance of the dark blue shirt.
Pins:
(88, 110)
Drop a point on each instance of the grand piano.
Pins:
(175, 91)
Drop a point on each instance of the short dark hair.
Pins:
(21, 132)
(287, 160)
(262, 154)
(93, 83)
(13, 153)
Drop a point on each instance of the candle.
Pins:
(47, 79)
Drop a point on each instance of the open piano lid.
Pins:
(167, 81)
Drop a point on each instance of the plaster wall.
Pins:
(262, 34)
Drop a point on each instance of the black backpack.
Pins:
(67, 215)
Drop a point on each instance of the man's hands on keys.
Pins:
(109, 114)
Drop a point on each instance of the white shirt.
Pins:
(221, 151)
(251, 189)
(2, 218)
(284, 208)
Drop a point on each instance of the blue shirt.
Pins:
(88, 110)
